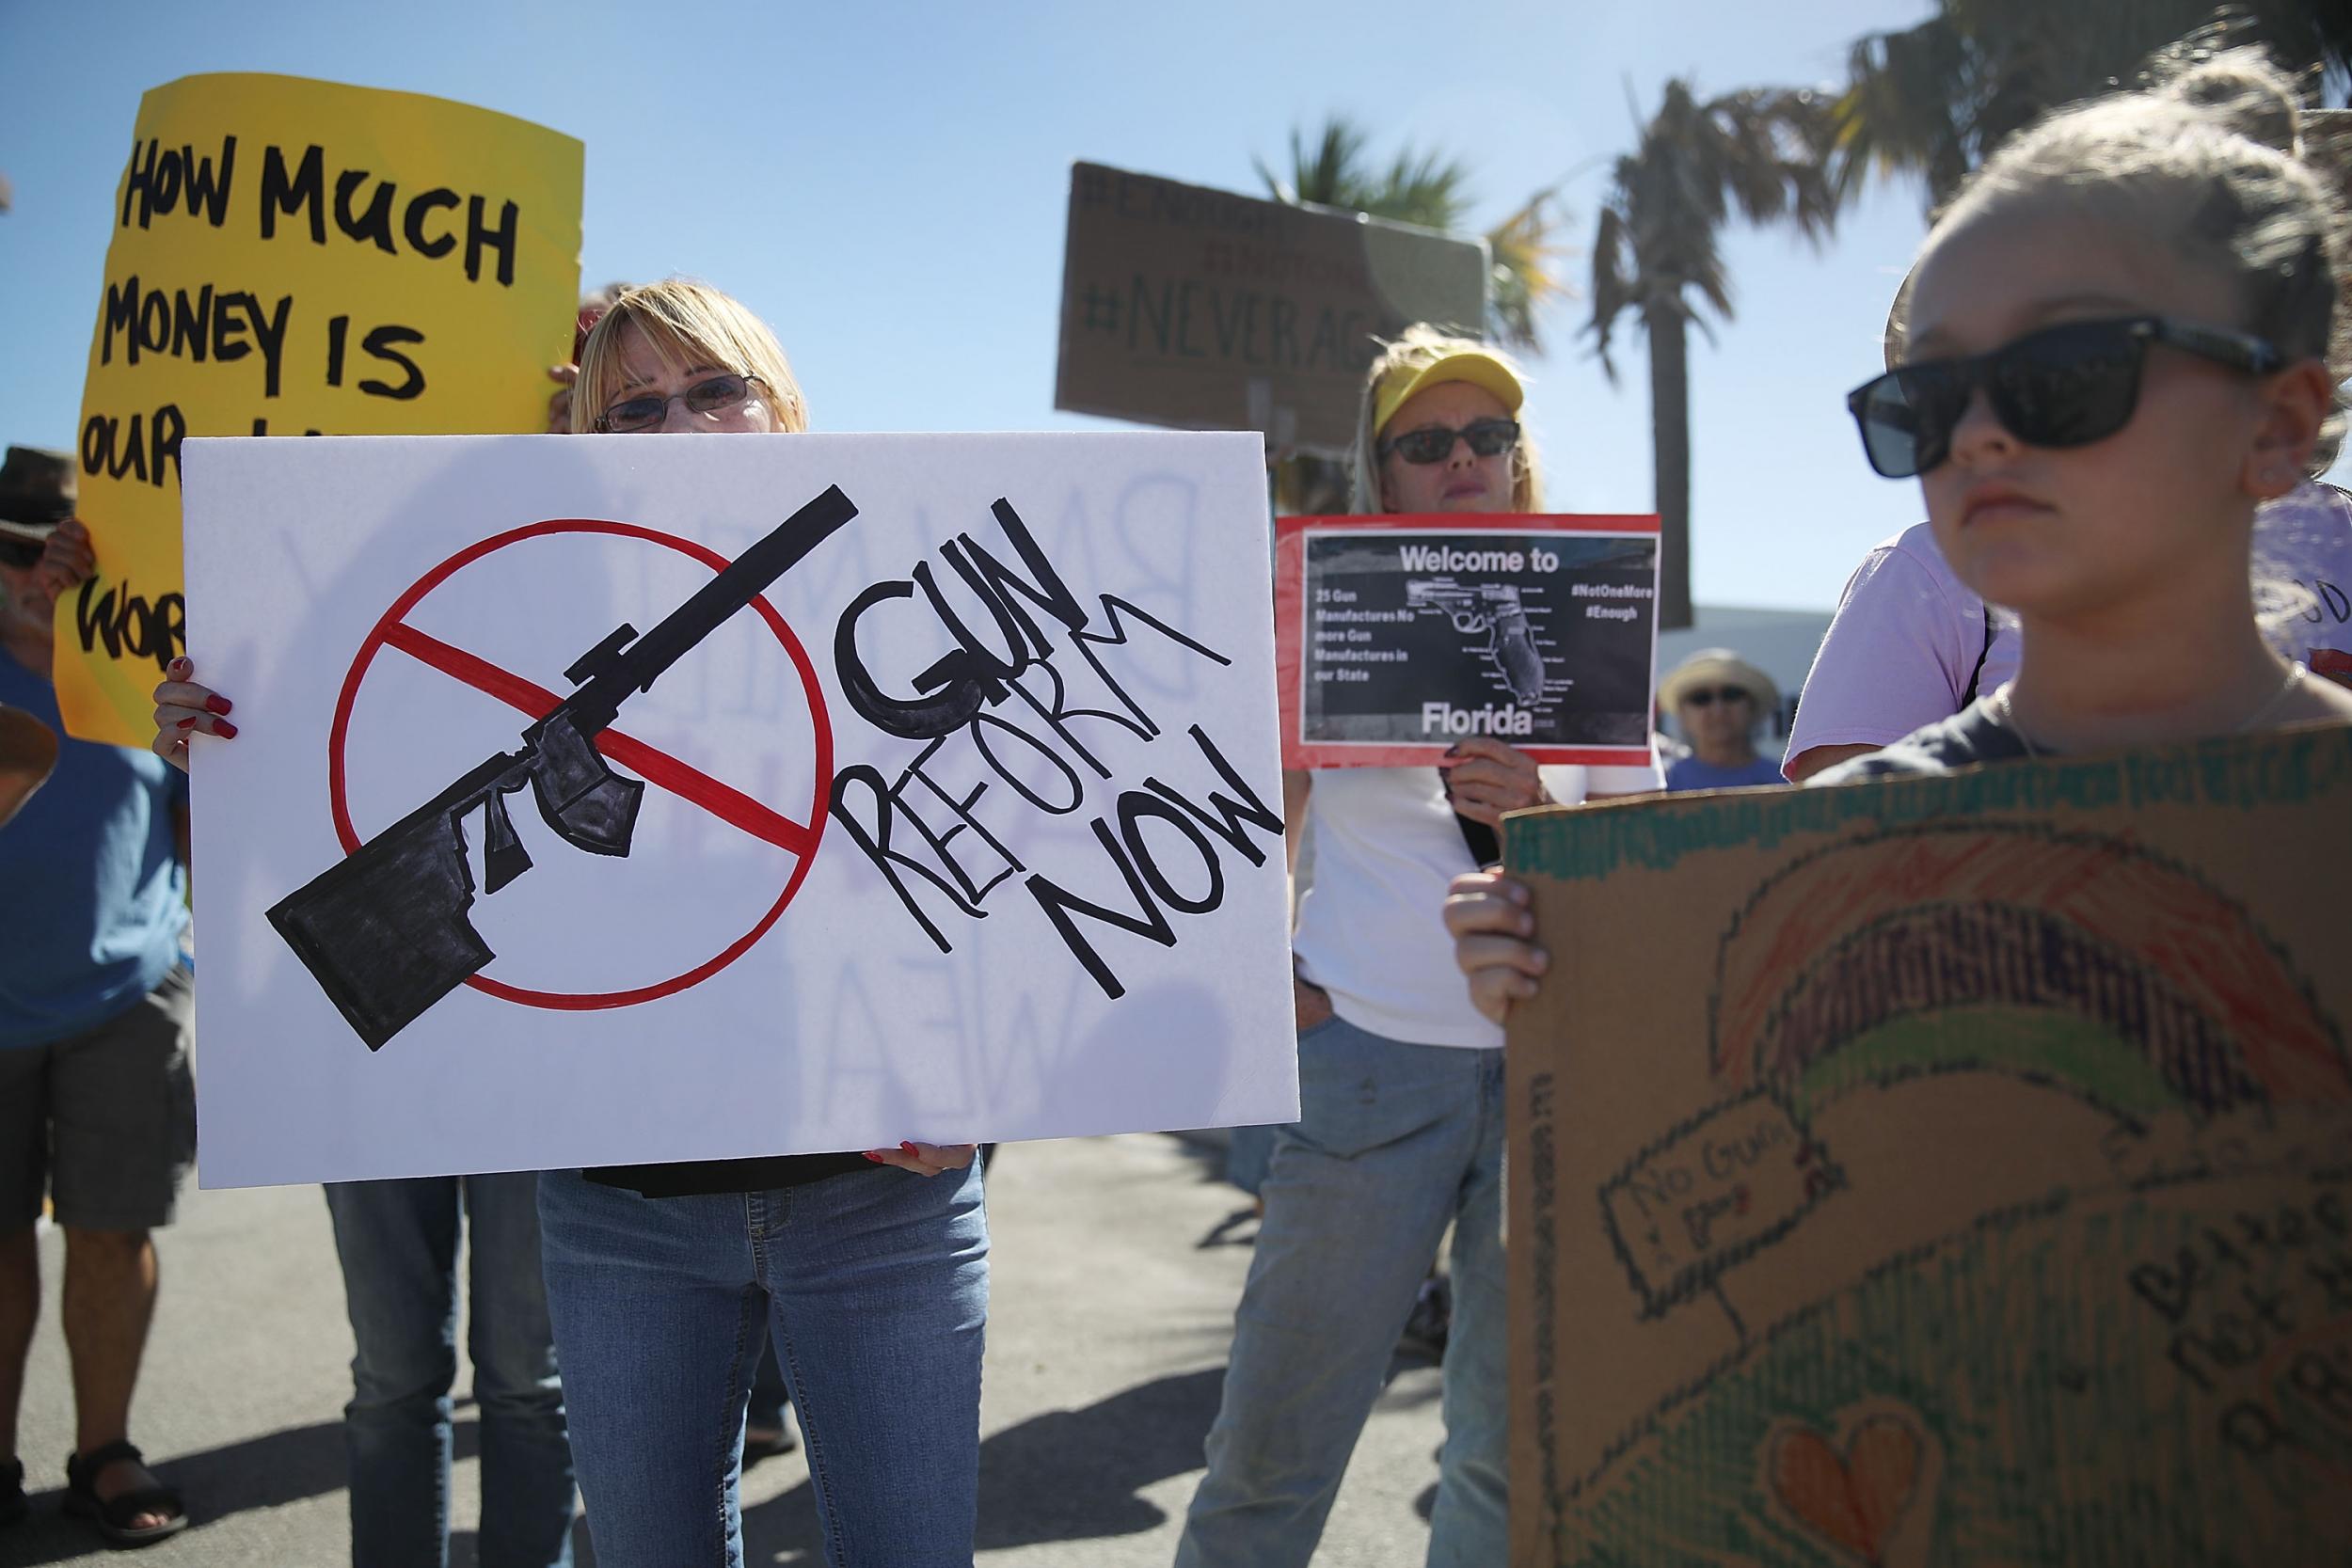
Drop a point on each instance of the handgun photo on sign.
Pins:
(385, 931)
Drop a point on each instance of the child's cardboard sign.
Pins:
(1398, 636)
(292, 256)
(600, 800)
(1946, 1170)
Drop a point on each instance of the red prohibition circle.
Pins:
(819, 722)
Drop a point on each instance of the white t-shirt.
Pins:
(1908, 633)
(1372, 928)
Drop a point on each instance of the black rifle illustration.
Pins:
(1494, 609)
(383, 932)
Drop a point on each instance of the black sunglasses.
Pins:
(22, 554)
(2064, 386)
(720, 392)
(1436, 444)
(1707, 696)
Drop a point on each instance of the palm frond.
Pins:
(1425, 186)
(1525, 277)
(1934, 99)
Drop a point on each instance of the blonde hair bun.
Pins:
(2244, 93)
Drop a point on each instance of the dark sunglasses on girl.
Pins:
(1708, 696)
(1435, 444)
(2065, 386)
(716, 395)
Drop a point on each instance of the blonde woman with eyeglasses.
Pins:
(664, 1282)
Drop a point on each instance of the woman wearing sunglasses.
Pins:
(2116, 348)
(664, 1282)
(1400, 1081)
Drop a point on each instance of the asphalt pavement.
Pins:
(1115, 1266)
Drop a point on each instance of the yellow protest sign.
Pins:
(295, 257)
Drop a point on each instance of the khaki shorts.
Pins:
(103, 1122)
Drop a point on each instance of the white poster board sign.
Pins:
(932, 792)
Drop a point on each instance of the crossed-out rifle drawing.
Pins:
(383, 932)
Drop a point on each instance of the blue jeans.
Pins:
(1392, 1141)
(398, 1243)
(875, 1286)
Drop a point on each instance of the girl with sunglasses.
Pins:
(1400, 1081)
(2116, 347)
(1912, 643)
(665, 1282)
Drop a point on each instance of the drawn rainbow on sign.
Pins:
(2119, 975)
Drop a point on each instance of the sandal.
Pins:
(110, 1516)
(13, 1504)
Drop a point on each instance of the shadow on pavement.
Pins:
(1068, 1475)
(260, 1473)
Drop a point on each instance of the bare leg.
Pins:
(109, 1300)
(20, 1310)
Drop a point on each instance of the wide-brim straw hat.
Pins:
(1718, 667)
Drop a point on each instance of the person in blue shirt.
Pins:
(1719, 699)
(96, 1006)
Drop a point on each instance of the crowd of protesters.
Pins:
(2111, 373)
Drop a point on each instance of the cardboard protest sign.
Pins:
(1206, 311)
(1395, 637)
(601, 801)
(294, 257)
(1946, 1170)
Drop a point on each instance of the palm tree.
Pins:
(1935, 99)
(1762, 153)
(1430, 189)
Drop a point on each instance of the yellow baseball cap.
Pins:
(1479, 370)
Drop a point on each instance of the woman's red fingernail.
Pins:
(216, 703)
(226, 730)
(188, 724)
(911, 1150)
(876, 1158)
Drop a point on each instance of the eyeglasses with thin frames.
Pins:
(717, 395)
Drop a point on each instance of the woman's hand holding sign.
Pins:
(1484, 778)
(925, 1159)
(184, 708)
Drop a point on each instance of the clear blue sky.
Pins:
(887, 184)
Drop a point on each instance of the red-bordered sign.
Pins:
(650, 764)
(1517, 643)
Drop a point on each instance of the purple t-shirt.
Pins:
(1909, 634)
